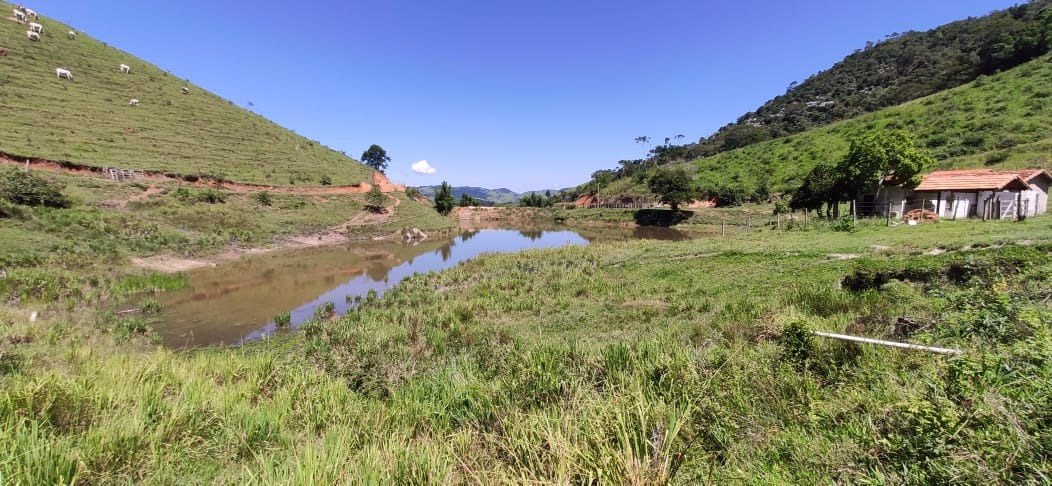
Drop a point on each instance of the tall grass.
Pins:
(640, 363)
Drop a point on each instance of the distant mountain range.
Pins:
(484, 195)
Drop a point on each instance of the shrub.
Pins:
(263, 198)
(325, 180)
(283, 319)
(845, 224)
(374, 199)
(29, 189)
(798, 344)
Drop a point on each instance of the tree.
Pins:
(874, 160)
(376, 157)
(467, 200)
(645, 140)
(671, 186)
(444, 199)
(819, 187)
(534, 200)
(375, 199)
(878, 159)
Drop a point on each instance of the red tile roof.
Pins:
(975, 180)
(1029, 175)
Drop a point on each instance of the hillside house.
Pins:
(985, 193)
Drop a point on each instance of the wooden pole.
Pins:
(887, 214)
(1019, 206)
(748, 223)
(893, 344)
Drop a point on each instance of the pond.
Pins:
(237, 302)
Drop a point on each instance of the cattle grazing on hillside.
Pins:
(3, 52)
(35, 27)
(63, 73)
(72, 35)
(133, 102)
(186, 90)
(33, 36)
(19, 16)
(30, 13)
(125, 69)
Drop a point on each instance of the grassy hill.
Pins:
(89, 120)
(484, 195)
(487, 196)
(1003, 120)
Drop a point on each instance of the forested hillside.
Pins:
(900, 68)
(974, 92)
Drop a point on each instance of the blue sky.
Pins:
(523, 94)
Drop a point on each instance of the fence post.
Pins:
(805, 220)
(748, 223)
(887, 215)
(854, 212)
(723, 223)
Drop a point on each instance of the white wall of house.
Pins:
(1005, 205)
(1038, 196)
(959, 205)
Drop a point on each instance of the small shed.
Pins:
(1039, 180)
(984, 193)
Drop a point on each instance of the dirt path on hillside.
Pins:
(379, 179)
(335, 235)
(170, 263)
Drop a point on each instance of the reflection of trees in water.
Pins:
(378, 269)
(653, 233)
(467, 235)
(532, 234)
(446, 250)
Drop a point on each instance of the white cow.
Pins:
(30, 12)
(72, 35)
(35, 27)
(186, 90)
(63, 73)
(19, 16)
(33, 35)
(125, 69)
(134, 102)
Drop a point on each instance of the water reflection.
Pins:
(237, 302)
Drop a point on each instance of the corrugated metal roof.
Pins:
(973, 180)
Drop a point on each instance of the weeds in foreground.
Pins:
(557, 368)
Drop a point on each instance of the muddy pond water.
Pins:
(237, 302)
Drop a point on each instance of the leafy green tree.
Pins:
(878, 159)
(444, 199)
(819, 187)
(467, 200)
(671, 186)
(376, 157)
(534, 200)
(375, 199)
(874, 160)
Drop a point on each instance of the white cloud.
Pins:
(422, 167)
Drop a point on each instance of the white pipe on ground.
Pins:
(893, 344)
